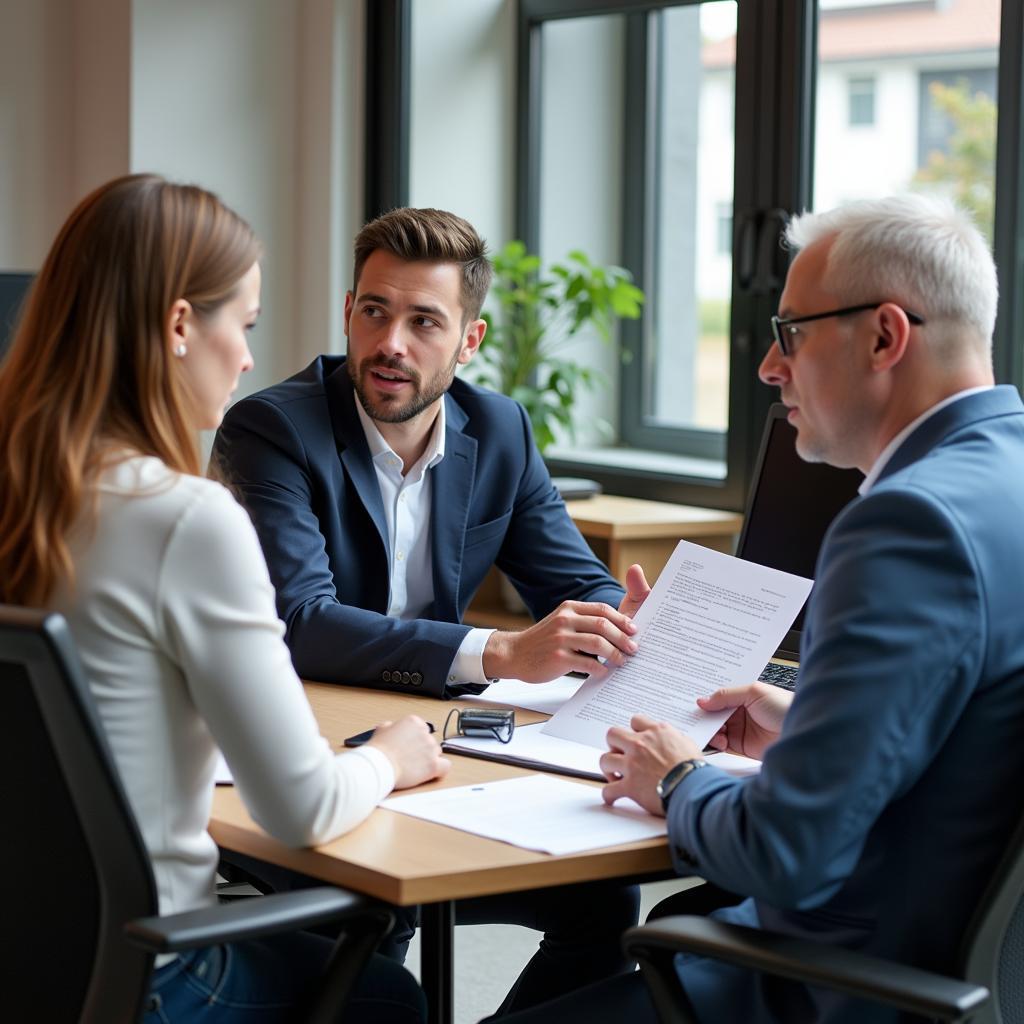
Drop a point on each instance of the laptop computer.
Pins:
(790, 506)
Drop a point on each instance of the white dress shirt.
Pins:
(407, 511)
(890, 449)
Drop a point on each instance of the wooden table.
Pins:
(406, 861)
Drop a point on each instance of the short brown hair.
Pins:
(433, 235)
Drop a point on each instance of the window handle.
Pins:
(771, 257)
(746, 250)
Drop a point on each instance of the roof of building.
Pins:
(946, 26)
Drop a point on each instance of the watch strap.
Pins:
(671, 779)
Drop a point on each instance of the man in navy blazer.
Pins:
(383, 490)
(890, 785)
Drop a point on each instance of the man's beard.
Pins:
(391, 409)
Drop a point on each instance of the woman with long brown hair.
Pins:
(133, 338)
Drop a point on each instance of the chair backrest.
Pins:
(74, 868)
(993, 952)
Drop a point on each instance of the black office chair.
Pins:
(991, 960)
(78, 903)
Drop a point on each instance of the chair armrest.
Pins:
(833, 967)
(249, 919)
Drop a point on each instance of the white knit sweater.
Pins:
(173, 614)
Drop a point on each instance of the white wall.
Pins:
(213, 102)
(35, 50)
(256, 99)
(259, 100)
(64, 69)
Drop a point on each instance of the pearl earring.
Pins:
(181, 351)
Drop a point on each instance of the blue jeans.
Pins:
(270, 981)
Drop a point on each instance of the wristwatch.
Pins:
(674, 776)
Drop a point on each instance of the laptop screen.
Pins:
(790, 507)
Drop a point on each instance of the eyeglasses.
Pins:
(783, 331)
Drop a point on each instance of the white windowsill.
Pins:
(636, 459)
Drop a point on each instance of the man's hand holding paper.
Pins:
(570, 639)
(639, 757)
(755, 720)
(700, 614)
(710, 623)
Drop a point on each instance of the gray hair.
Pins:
(921, 251)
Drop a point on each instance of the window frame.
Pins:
(1008, 348)
(386, 131)
(772, 86)
(776, 44)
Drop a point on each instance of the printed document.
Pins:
(538, 812)
(710, 621)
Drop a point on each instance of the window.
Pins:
(642, 110)
(861, 92)
(953, 111)
(953, 84)
(674, 137)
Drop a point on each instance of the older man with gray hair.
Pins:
(891, 780)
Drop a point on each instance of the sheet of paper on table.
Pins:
(222, 773)
(537, 812)
(544, 697)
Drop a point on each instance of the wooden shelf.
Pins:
(620, 531)
(614, 517)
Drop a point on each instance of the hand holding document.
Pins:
(711, 621)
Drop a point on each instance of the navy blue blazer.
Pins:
(881, 811)
(297, 457)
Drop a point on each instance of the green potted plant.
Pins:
(538, 310)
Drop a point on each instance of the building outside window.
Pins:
(660, 135)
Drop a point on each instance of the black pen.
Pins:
(361, 737)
